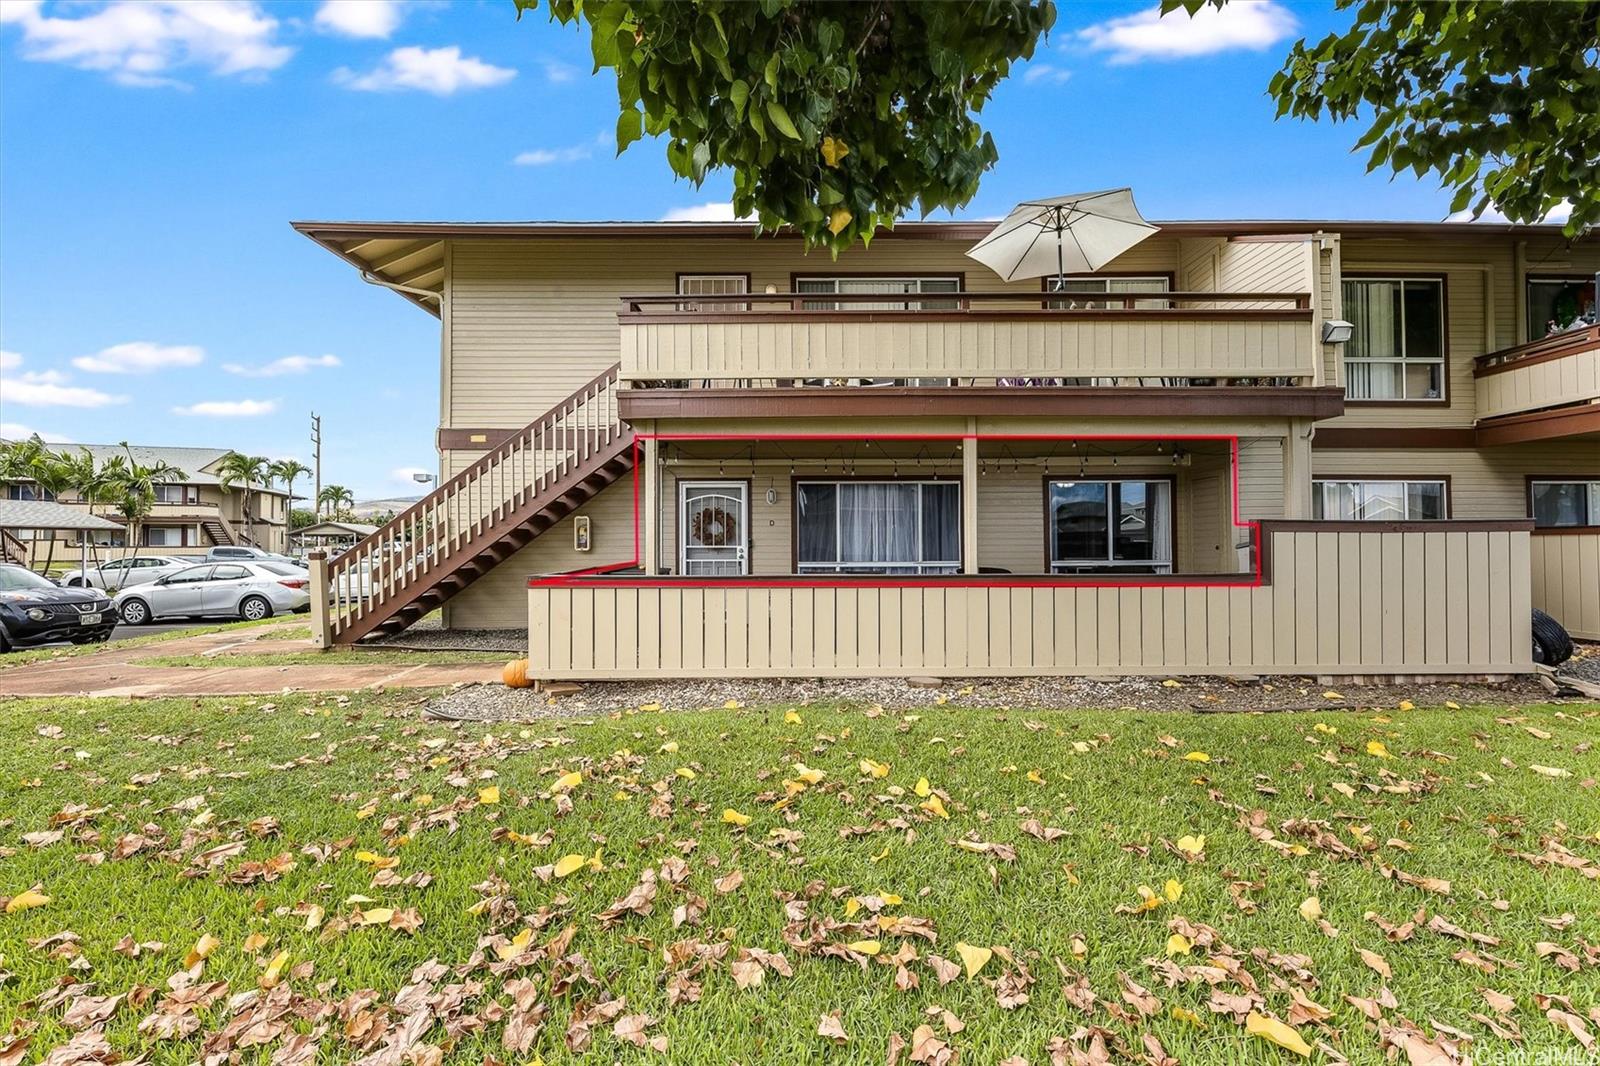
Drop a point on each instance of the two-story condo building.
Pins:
(681, 450)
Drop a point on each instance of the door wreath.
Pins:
(715, 527)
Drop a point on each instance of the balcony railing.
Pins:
(1554, 371)
(760, 340)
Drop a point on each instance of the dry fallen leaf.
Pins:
(26, 900)
(831, 1027)
(973, 958)
(1274, 1031)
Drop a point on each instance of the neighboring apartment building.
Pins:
(187, 518)
(895, 462)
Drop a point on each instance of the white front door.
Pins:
(713, 528)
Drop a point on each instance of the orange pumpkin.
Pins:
(515, 674)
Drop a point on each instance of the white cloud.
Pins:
(289, 364)
(18, 431)
(359, 18)
(228, 408)
(142, 42)
(1557, 215)
(46, 388)
(140, 357)
(441, 71)
(559, 73)
(1045, 73)
(543, 157)
(703, 213)
(1242, 24)
(9, 360)
(407, 475)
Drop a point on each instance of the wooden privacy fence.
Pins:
(1335, 597)
(1566, 579)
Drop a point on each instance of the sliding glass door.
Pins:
(1110, 525)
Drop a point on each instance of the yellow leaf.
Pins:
(1324, 727)
(376, 861)
(733, 817)
(489, 795)
(731, 705)
(649, 706)
(314, 916)
(1082, 748)
(833, 150)
(269, 979)
(1173, 889)
(670, 747)
(884, 854)
(201, 950)
(793, 718)
(865, 947)
(376, 916)
(685, 773)
(1172, 682)
(1192, 845)
(1332, 695)
(26, 900)
(807, 774)
(1178, 944)
(973, 958)
(1452, 704)
(851, 906)
(1375, 747)
(1184, 1014)
(567, 782)
(1407, 705)
(1274, 1031)
(1036, 777)
(516, 945)
(620, 796)
(1550, 771)
(922, 787)
(254, 943)
(874, 769)
(1197, 756)
(973, 846)
(1311, 908)
(568, 865)
(935, 805)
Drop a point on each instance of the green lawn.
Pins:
(1291, 806)
(73, 651)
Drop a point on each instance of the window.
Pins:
(1099, 525)
(177, 494)
(165, 536)
(878, 527)
(1397, 350)
(27, 490)
(1379, 501)
(887, 286)
(229, 573)
(191, 576)
(1564, 504)
(713, 285)
(1153, 283)
(1556, 303)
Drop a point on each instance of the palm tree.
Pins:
(286, 471)
(89, 480)
(133, 487)
(335, 496)
(246, 471)
(53, 478)
(18, 456)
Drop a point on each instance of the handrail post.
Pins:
(321, 624)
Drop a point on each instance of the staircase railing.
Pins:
(12, 548)
(452, 522)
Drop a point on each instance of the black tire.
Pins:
(1552, 645)
(77, 583)
(5, 642)
(255, 608)
(134, 612)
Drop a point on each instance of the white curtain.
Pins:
(877, 523)
(1161, 521)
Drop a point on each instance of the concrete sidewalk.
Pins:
(115, 672)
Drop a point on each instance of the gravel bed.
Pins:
(1585, 662)
(428, 635)
(1190, 694)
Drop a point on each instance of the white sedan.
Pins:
(251, 591)
(124, 573)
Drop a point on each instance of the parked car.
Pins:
(35, 611)
(228, 553)
(248, 590)
(119, 574)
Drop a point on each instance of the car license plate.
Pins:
(89, 619)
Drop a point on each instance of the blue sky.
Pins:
(152, 154)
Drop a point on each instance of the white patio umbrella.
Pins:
(1063, 235)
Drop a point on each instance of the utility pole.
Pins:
(316, 462)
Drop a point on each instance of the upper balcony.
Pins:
(848, 353)
(1545, 389)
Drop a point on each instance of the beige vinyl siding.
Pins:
(1340, 602)
(1487, 483)
(1566, 580)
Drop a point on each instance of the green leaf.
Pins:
(630, 127)
(781, 121)
(739, 94)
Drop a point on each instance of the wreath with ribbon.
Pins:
(715, 527)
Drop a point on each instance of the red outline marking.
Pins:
(576, 577)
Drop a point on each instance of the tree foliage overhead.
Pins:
(834, 117)
(1500, 99)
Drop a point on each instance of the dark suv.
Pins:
(34, 611)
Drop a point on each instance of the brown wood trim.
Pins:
(1527, 497)
(1443, 278)
(1172, 503)
(1042, 314)
(471, 440)
(1543, 350)
(1562, 422)
(625, 580)
(1566, 531)
(1449, 485)
(794, 510)
(1334, 438)
(1219, 401)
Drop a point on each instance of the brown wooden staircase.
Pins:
(479, 518)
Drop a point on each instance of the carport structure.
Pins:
(28, 516)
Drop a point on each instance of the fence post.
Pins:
(321, 628)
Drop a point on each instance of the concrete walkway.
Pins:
(115, 671)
